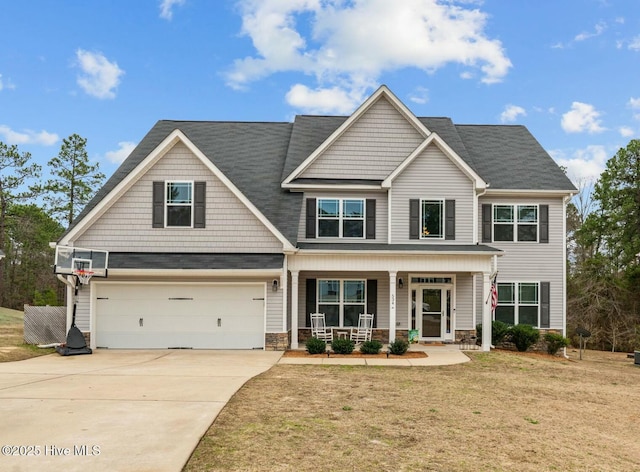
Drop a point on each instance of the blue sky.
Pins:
(568, 70)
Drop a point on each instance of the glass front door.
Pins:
(431, 325)
(433, 310)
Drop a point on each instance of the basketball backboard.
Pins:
(70, 259)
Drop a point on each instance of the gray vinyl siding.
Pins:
(371, 148)
(382, 315)
(533, 262)
(83, 319)
(230, 226)
(464, 302)
(274, 322)
(381, 216)
(432, 175)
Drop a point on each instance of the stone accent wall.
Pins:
(276, 341)
(381, 335)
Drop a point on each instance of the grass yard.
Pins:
(501, 412)
(12, 346)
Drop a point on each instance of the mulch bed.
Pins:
(357, 355)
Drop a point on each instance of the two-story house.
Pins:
(229, 234)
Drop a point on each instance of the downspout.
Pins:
(70, 296)
(565, 200)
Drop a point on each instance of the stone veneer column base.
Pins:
(276, 341)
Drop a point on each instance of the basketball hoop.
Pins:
(83, 275)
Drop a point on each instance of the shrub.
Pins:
(555, 342)
(499, 332)
(524, 336)
(342, 346)
(398, 347)
(316, 346)
(370, 347)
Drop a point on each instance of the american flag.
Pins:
(494, 293)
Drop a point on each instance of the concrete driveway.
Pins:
(116, 410)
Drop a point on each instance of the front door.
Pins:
(434, 310)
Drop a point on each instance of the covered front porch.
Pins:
(435, 294)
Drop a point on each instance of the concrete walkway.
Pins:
(116, 410)
(436, 355)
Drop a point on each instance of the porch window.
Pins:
(518, 303)
(342, 301)
(432, 218)
(515, 223)
(341, 218)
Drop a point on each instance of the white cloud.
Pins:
(120, 154)
(634, 45)
(585, 164)
(626, 132)
(323, 100)
(582, 117)
(28, 136)
(511, 113)
(420, 95)
(166, 8)
(598, 30)
(100, 77)
(6, 84)
(350, 44)
(634, 103)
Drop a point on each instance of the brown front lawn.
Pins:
(500, 412)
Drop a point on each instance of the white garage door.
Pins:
(198, 316)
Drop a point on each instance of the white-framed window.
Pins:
(432, 219)
(515, 223)
(342, 301)
(178, 204)
(341, 218)
(518, 303)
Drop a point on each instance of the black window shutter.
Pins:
(486, 222)
(158, 205)
(311, 218)
(371, 218)
(414, 219)
(450, 219)
(372, 300)
(199, 208)
(544, 224)
(545, 296)
(311, 301)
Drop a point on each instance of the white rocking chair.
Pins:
(319, 328)
(364, 330)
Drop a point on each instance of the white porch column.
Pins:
(486, 311)
(392, 306)
(294, 309)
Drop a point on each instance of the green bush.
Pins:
(371, 347)
(555, 342)
(499, 332)
(398, 347)
(524, 336)
(316, 346)
(342, 346)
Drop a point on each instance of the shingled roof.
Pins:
(258, 156)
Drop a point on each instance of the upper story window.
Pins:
(179, 204)
(432, 218)
(341, 218)
(515, 223)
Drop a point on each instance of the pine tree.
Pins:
(75, 180)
